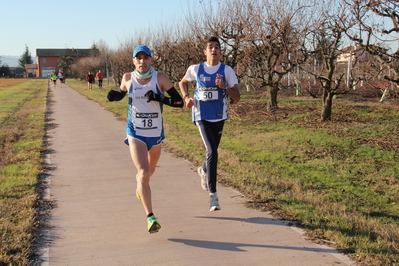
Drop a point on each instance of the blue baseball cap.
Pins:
(141, 48)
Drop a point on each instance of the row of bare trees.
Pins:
(266, 40)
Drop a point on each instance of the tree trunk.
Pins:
(271, 96)
(327, 106)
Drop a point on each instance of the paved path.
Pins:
(99, 221)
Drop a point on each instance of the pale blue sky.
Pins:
(80, 23)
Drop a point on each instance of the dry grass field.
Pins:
(22, 124)
(5, 82)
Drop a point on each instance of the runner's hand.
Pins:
(152, 96)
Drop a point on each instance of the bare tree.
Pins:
(175, 57)
(121, 62)
(377, 26)
(324, 45)
(230, 29)
(104, 57)
(261, 39)
(175, 51)
(275, 32)
(84, 65)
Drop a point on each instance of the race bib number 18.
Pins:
(208, 93)
(146, 121)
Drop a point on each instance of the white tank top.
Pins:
(146, 117)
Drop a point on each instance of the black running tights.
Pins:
(211, 133)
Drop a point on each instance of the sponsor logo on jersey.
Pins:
(203, 78)
(146, 115)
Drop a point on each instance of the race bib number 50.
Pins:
(146, 120)
(208, 93)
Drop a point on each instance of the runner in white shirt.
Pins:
(216, 82)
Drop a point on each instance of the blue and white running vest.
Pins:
(145, 118)
(210, 101)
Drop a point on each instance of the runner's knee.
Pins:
(143, 176)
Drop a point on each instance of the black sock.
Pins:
(149, 215)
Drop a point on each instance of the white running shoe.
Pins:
(214, 202)
(204, 183)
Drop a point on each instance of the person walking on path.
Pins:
(99, 77)
(215, 83)
(145, 131)
(90, 81)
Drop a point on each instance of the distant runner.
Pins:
(90, 81)
(54, 79)
(99, 77)
(61, 77)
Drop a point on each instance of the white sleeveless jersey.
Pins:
(146, 118)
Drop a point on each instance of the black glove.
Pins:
(152, 96)
(116, 95)
(174, 101)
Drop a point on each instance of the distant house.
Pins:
(356, 52)
(47, 59)
(31, 70)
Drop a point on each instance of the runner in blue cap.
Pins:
(145, 132)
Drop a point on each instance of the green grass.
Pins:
(22, 116)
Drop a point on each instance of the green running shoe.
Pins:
(138, 195)
(153, 225)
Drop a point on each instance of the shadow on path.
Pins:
(217, 245)
(252, 220)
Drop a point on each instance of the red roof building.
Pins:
(47, 59)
